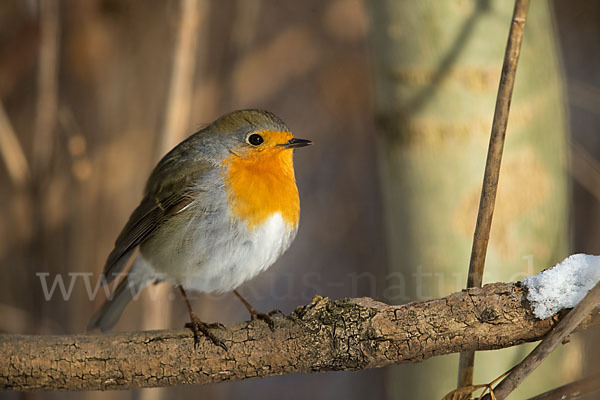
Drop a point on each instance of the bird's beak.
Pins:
(294, 143)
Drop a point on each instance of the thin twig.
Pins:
(585, 169)
(182, 75)
(12, 152)
(47, 104)
(550, 342)
(573, 390)
(246, 24)
(492, 167)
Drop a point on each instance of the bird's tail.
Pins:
(114, 306)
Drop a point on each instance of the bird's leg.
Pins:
(256, 315)
(198, 326)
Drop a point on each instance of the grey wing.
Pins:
(177, 173)
(146, 218)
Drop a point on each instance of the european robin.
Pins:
(218, 209)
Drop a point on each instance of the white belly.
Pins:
(223, 259)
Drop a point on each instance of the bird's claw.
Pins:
(275, 312)
(266, 318)
(198, 327)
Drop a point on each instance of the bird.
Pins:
(218, 209)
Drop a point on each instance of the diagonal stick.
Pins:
(492, 168)
(550, 342)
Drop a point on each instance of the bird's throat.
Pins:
(261, 185)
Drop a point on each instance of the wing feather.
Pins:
(172, 186)
(146, 218)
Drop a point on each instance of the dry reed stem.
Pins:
(492, 168)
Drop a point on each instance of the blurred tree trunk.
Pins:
(437, 67)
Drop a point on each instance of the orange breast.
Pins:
(261, 184)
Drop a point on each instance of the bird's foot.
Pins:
(198, 327)
(265, 317)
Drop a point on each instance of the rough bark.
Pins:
(326, 335)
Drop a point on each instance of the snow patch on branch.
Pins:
(562, 286)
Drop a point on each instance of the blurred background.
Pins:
(398, 97)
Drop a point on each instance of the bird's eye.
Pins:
(255, 139)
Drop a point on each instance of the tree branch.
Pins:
(326, 335)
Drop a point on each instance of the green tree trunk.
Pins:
(437, 67)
